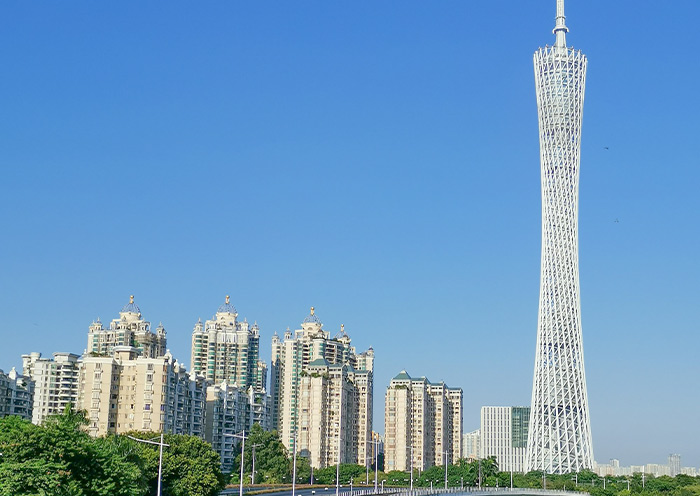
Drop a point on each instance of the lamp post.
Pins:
(294, 466)
(241, 435)
(411, 467)
(252, 474)
(479, 473)
(340, 446)
(446, 461)
(375, 445)
(160, 456)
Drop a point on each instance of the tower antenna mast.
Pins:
(560, 28)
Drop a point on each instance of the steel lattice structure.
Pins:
(559, 437)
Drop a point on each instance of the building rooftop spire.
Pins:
(560, 28)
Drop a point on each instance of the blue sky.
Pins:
(378, 160)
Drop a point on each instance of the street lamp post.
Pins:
(160, 456)
(479, 473)
(294, 467)
(252, 474)
(411, 467)
(340, 446)
(241, 435)
(446, 461)
(375, 444)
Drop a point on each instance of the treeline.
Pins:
(59, 458)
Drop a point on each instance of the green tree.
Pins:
(190, 466)
(272, 461)
(59, 458)
(397, 478)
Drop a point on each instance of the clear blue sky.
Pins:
(378, 160)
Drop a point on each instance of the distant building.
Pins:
(656, 469)
(674, 464)
(504, 431)
(471, 445)
(128, 392)
(56, 382)
(16, 392)
(422, 423)
(312, 377)
(130, 329)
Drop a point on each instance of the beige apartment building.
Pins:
(129, 392)
(227, 413)
(56, 382)
(313, 378)
(335, 414)
(130, 329)
(224, 349)
(422, 422)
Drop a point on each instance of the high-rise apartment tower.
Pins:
(322, 393)
(422, 423)
(130, 329)
(224, 349)
(559, 438)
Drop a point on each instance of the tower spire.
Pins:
(560, 28)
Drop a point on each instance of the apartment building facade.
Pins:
(423, 423)
(322, 392)
(16, 394)
(56, 382)
(130, 329)
(128, 392)
(504, 431)
(226, 350)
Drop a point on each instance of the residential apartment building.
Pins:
(504, 435)
(16, 392)
(127, 392)
(674, 464)
(422, 422)
(335, 415)
(227, 413)
(230, 410)
(56, 382)
(130, 329)
(322, 391)
(471, 445)
(226, 350)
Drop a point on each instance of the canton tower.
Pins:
(559, 436)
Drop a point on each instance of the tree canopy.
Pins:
(59, 458)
